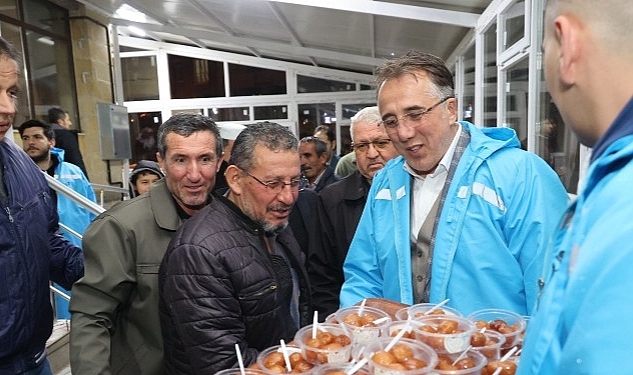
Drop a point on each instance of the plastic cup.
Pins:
(272, 361)
(332, 344)
(445, 333)
(361, 323)
(508, 323)
(492, 347)
(339, 369)
(237, 371)
(475, 360)
(398, 325)
(418, 310)
(407, 357)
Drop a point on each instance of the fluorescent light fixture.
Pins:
(46, 40)
(136, 31)
(128, 13)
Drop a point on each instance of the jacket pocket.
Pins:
(259, 293)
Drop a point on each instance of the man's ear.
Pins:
(234, 179)
(571, 39)
(52, 142)
(161, 162)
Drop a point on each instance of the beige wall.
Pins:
(91, 58)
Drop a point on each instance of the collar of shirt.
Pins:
(425, 190)
(316, 181)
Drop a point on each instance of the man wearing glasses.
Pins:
(463, 213)
(234, 274)
(340, 206)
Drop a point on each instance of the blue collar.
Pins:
(621, 127)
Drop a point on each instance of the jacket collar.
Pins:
(356, 187)
(620, 128)
(246, 221)
(164, 206)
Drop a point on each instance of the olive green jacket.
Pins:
(115, 327)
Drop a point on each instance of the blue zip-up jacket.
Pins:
(500, 212)
(70, 213)
(32, 252)
(583, 322)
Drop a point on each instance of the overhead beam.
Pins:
(381, 8)
(288, 48)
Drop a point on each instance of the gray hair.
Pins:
(367, 115)
(7, 50)
(271, 135)
(319, 145)
(185, 124)
(412, 63)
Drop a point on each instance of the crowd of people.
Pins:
(434, 209)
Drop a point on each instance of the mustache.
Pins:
(279, 207)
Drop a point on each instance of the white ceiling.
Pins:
(353, 35)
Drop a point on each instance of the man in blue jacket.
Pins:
(463, 213)
(38, 141)
(583, 321)
(32, 251)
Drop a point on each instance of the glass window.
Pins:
(367, 87)
(490, 77)
(272, 112)
(349, 110)
(195, 78)
(50, 73)
(468, 99)
(9, 8)
(140, 78)
(516, 98)
(514, 27)
(313, 115)
(46, 16)
(248, 81)
(307, 84)
(230, 114)
(143, 130)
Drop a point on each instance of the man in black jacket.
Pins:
(233, 274)
(66, 139)
(340, 207)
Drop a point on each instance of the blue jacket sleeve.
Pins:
(67, 262)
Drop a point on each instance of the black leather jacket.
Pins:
(218, 288)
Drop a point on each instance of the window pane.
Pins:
(271, 112)
(311, 84)
(195, 78)
(469, 85)
(143, 129)
(9, 8)
(140, 78)
(229, 114)
(248, 81)
(367, 87)
(313, 115)
(349, 110)
(490, 77)
(50, 73)
(46, 16)
(514, 24)
(516, 99)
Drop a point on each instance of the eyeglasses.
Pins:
(413, 117)
(277, 186)
(379, 144)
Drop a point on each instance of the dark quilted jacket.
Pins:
(217, 288)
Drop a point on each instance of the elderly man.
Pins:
(314, 163)
(32, 251)
(582, 324)
(234, 274)
(340, 207)
(463, 214)
(115, 324)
